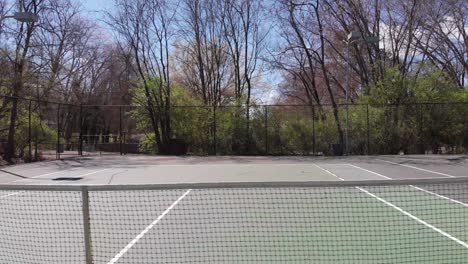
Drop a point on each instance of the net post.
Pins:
(86, 224)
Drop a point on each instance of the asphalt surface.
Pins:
(412, 224)
(99, 170)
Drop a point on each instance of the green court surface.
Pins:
(272, 224)
(391, 214)
(330, 225)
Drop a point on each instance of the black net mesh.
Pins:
(346, 222)
(41, 227)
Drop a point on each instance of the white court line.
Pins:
(237, 165)
(148, 228)
(373, 172)
(404, 212)
(415, 218)
(11, 194)
(42, 175)
(37, 176)
(329, 172)
(415, 187)
(441, 196)
(90, 173)
(28, 166)
(417, 168)
(47, 174)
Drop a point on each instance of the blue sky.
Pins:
(93, 8)
(96, 5)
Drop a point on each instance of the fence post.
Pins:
(80, 144)
(57, 151)
(29, 131)
(266, 129)
(214, 131)
(368, 130)
(421, 140)
(86, 224)
(313, 130)
(120, 130)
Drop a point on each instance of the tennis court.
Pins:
(138, 209)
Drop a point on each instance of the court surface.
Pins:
(99, 170)
(409, 223)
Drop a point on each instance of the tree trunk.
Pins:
(10, 151)
(247, 109)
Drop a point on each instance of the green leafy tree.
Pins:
(40, 133)
(188, 123)
(412, 114)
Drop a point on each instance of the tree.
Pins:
(22, 34)
(204, 56)
(241, 20)
(443, 36)
(144, 28)
(308, 44)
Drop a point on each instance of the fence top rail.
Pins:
(243, 105)
(293, 105)
(235, 185)
(38, 100)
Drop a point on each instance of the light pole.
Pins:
(26, 17)
(353, 36)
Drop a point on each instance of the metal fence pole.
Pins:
(214, 131)
(313, 130)
(35, 143)
(80, 144)
(348, 71)
(57, 151)
(421, 140)
(120, 130)
(266, 130)
(29, 131)
(86, 224)
(368, 130)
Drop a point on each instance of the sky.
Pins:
(95, 5)
(94, 8)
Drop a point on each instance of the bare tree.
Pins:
(294, 57)
(364, 16)
(204, 55)
(3, 10)
(245, 37)
(443, 38)
(59, 44)
(144, 26)
(308, 44)
(22, 34)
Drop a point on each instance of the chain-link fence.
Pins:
(52, 130)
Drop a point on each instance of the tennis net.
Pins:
(410, 221)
